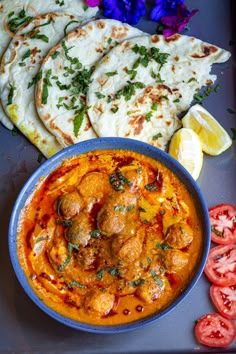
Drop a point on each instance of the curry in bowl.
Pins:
(109, 237)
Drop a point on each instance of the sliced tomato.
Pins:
(221, 265)
(223, 223)
(215, 330)
(224, 299)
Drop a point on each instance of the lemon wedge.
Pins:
(213, 137)
(185, 146)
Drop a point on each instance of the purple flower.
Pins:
(164, 8)
(128, 11)
(177, 22)
(93, 3)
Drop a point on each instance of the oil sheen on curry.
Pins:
(109, 237)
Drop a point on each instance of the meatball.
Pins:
(93, 187)
(150, 290)
(112, 216)
(79, 231)
(99, 302)
(71, 204)
(179, 235)
(173, 260)
(127, 248)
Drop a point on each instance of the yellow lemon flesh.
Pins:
(213, 137)
(185, 146)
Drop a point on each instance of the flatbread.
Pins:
(74, 7)
(150, 114)
(19, 72)
(64, 111)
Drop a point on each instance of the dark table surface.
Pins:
(26, 329)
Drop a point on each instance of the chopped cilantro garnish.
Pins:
(35, 79)
(26, 55)
(95, 233)
(55, 54)
(137, 282)
(157, 136)
(71, 247)
(129, 90)
(111, 73)
(99, 95)
(68, 24)
(148, 116)
(163, 246)
(10, 95)
(156, 278)
(114, 109)
(76, 284)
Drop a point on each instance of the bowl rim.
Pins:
(105, 144)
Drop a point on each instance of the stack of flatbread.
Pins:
(67, 77)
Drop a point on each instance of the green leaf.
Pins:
(111, 73)
(55, 54)
(68, 24)
(156, 278)
(157, 136)
(26, 55)
(10, 95)
(78, 119)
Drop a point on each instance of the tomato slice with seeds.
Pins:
(224, 299)
(223, 223)
(221, 265)
(215, 330)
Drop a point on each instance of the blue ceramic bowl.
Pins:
(108, 143)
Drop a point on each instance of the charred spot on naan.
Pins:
(206, 51)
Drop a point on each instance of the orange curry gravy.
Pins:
(109, 237)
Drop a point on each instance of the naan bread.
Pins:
(19, 73)
(62, 105)
(143, 98)
(74, 7)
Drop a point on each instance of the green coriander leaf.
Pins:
(163, 246)
(68, 24)
(114, 109)
(148, 116)
(95, 233)
(99, 95)
(76, 284)
(10, 95)
(111, 73)
(192, 79)
(26, 55)
(137, 282)
(55, 54)
(157, 136)
(64, 222)
(156, 278)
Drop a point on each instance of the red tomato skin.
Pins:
(223, 300)
(206, 333)
(228, 223)
(221, 258)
